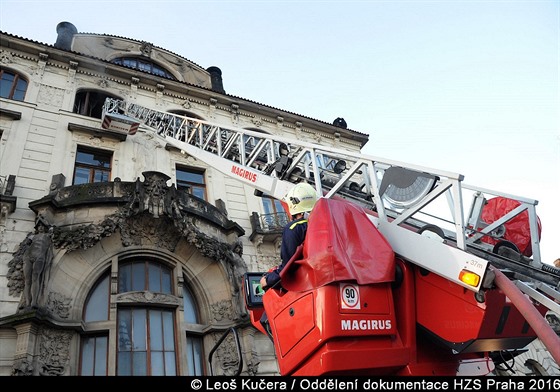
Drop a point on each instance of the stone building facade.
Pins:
(118, 253)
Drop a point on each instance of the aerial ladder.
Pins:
(419, 211)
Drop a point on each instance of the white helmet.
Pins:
(301, 198)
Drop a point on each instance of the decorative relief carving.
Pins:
(146, 48)
(54, 352)
(143, 230)
(59, 305)
(235, 112)
(187, 105)
(6, 57)
(16, 282)
(226, 356)
(155, 215)
(22, 367)
(84, 237)
(148, 297)
(155, 191)
(253, 364)
(222, 310)
(103, 83)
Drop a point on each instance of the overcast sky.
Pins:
(465, 86)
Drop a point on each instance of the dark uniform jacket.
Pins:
(293, 235)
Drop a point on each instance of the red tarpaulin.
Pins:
(341, 244)
(517, 230)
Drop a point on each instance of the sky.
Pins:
(470, 87)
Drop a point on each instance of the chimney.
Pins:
(216, 78)
(66, 31)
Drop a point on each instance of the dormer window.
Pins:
(143, 65)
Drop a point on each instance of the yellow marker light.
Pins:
(469, 278)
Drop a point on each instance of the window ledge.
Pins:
(10, 114)
(97, 132)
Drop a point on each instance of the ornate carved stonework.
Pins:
(16, 281)
(59, 305)
(148, 297)
(54, 352)
(22, 367)
(146, 48)
(222, 310)
(253, 364)
(187, 105)
(103, 83)
(155, 191)
(226, 356)
(143, 230)
(84, 237)
(6, 57)
(151, 214)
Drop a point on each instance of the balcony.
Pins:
(7, 199)
(268, 226)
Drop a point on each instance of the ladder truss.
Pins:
(405, 200)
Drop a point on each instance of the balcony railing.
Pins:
(7, 199)
(268, 225)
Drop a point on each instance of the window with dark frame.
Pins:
(146, 342)
(90, 103)
(143, 65)
(144, 275)
(12, 85)
(94, 348)
(275, 216)
(192, 181)
(92, 166)
(194, 349)
(146, 335)
(93, 358)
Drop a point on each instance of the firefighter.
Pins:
(300, 199)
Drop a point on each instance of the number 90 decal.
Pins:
(349, 296)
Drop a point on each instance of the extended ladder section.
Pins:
(408, 204)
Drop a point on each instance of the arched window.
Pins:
(142, 321)
(194, 352)
(186, 113)
(90, 102)
(12, 85)
(95, 347)
(97, 304)
(144, 275)
(145, 65)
